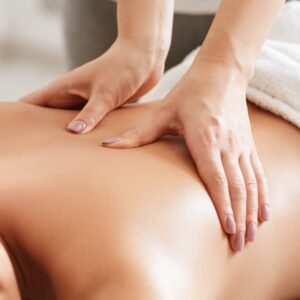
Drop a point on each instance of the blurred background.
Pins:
(32, 51)
(31, 46)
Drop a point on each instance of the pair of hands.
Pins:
(207, 107)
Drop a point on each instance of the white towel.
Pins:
(275, 85)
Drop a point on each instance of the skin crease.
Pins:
(88, 222)
(207, 107)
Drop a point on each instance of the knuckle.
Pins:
(225, 208)
(208, 136)
(216, 122)
(252, 215)
(251, 185)
(241, 223)
(107, 100)
(90, 114)
(231, 139)
(134, 132)
(105, 92)
(239, 190)
(219, 179)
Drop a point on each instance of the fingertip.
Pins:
(111, 141)
(265, 213)
(23, 100)
(27, 99)
(237, 242)
(230, 226)
(77, 126)
(251, 232)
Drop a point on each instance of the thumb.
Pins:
(90, 116)
(144, 133)
(40, 97)
(56, 94)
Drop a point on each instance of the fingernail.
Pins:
(251, 232)
(112, 140)
(77, 126)
(239, 241)
(265, 213)
(230, 225)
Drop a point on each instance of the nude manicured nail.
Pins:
(239, 241)
(77, 126)
(230, 225)
(112, 140)
(265, 213)
(251, 232)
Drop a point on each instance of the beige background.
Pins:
(31, 46)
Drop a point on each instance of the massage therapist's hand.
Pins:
(208, 108)
(121, 75)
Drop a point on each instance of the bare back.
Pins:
(87, 222)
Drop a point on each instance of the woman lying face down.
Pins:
(80, 221)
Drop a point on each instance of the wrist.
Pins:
(222, 68)
(216, 76)
(145, 58)
(147, 25)
(228, 58)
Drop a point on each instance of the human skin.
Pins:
(88, 222)
(207, 107)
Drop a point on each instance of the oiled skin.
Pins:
(88, 222)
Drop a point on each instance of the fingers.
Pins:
(238, 199)
(90, 116)
(64, 93)
(232, 184)
(247, 193)
(212, 173)
(252, 197)
(263, 197)
(149, 130)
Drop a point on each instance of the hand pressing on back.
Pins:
(121, 75)
(208, 109)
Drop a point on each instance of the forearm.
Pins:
(238, 32)
(148, 24)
